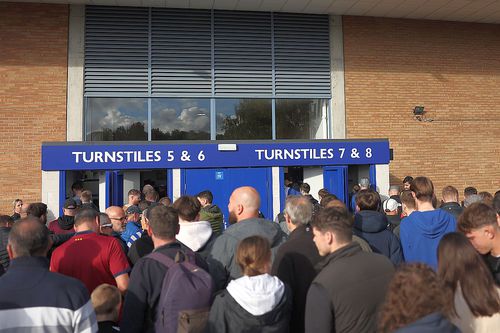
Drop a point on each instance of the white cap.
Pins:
(390, 205)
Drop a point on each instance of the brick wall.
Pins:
(33, 76)
(453, 69)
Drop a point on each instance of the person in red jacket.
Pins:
(64, 224)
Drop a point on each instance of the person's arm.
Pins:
(119, 266)
(396, 251)
(58, 239)
(135, 305)
(85, 319)
(219, 261)
(133, 254)
(319, 312)
(122, 282)
(283, 269)
(403, 236)
(216, 318)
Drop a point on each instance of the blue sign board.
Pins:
(167, 155)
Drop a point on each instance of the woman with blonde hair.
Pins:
(17, 206)
(416, 302)
(256, 302)
(475, 296)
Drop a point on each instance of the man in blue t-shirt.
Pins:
(423, 229)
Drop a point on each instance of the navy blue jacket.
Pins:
(433, 323)
(372, 227)
(36, 300)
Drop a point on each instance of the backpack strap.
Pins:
(162, 259)
(180, 256)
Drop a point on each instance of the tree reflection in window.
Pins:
(244, 119)
(299, 119)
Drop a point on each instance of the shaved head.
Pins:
(114, 210)
(117, 216)
(244, 203)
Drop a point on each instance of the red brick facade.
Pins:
(391, 65)
(33, 78)
(453, 69)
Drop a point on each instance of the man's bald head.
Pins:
(28, 237)
(117, 216)
(114, 210)
(244, 203)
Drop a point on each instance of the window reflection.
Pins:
(243, 119)
(117, 119)
(180, 119)
(300, 119)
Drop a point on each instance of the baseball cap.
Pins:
(390, 205)
(364, 182)
(133, 210)
(70, 204)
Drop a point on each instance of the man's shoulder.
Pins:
(297, 240)
(52, 224)
(367, 261)
(66, 282)
(54, 290)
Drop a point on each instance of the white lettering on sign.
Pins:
(295, 154)
(117, 156)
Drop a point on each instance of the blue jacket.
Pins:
(421, 232)
(433, 323)
(132, 229)
(372, 227)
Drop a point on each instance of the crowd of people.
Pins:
(398, 263)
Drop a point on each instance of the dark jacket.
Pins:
(144, 290)
(140, 248)
(204, 252)
(4, 238)
(108, 327)
(453, 208)
(372, 227)
(494, 265)
(433, 323)
(394, 221)
(214, 215)
(89, 205)
(294, 265)
(227, 316)
(224, 248)
(346, 294)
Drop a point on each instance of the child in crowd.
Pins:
(107, 301)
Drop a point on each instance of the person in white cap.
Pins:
(390, 207)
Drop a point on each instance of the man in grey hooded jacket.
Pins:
(243, 207)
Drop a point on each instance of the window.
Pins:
(244, 119)
(180, 119)
(300, 119)
(117, 119)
